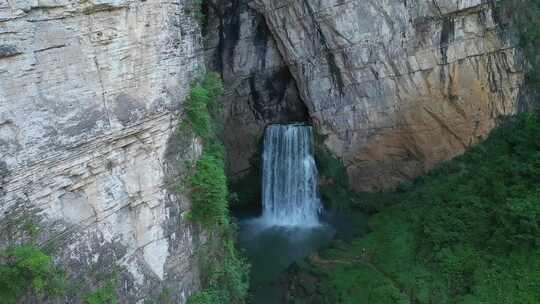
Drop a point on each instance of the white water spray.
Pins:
(290, 196)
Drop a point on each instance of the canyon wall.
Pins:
(90, 95)
(259, 87)
(397, 86)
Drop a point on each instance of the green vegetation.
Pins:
(208, 183)
(26, 269)
(209, 191)
(201, 100)
(468, 232)
(204, 297)
(103, 295)
(225, 271)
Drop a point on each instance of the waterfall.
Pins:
(290, 196)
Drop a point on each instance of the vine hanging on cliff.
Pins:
(225, 272)
(208, 183)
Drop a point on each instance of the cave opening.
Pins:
(261, 97)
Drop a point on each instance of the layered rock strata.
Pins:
(90, 96)
(398, 86)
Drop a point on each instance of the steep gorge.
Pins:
(91, 94)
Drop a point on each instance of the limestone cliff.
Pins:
(260, 88)
(397, 86)
(90, 95)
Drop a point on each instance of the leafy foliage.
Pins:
(202, 98)
(225, 271)
(208, 182)
(206, 296)
(26, 268)
(103, 295)
(209, 191)
(487, 197)
(468, 232)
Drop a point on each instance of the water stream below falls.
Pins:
(290, 227)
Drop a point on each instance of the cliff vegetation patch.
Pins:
(106, 294)
(225, 272)
(26, 270)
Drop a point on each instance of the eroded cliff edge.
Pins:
(90, 96)
(397, 86)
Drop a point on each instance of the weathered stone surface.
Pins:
(398, 86)
(260, 88)
(90, 94)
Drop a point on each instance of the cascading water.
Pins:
(289, 229)
(290, 196)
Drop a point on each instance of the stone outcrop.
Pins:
(259, 87)
(90, 96)
(397, 86)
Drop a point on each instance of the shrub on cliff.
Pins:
(224, 270)
(209, 191)
(201, 103)
(104, 295)
(208, 183)
(206, 296)
(24, 269)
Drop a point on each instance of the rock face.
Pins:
(90, 95)
(397, 86)
(260, 88)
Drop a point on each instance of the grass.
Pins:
(209, 191)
